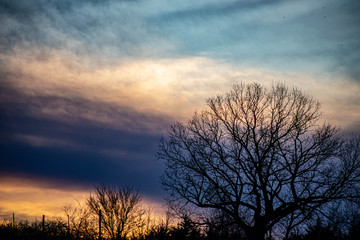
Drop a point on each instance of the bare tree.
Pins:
(80, 222)
(259, 155)
(122, 212)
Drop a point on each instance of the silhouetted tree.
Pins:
(161, 230)
(259, 155)
(219, 226)
(80, 221)
(122, 212)
(321, 231)
(158, 232)
(186, 230)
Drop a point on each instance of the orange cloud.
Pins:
(30, 199)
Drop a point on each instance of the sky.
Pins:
(88, 87)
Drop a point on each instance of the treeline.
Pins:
(186, 229)
(119, 213)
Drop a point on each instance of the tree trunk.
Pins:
(257, 233)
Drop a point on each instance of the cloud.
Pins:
(39, 141)
(309, 36)
(80, 110)
(33, 197)
(143, 95)
(30, 198)
(106, 31)
(302, 36)
(60, 86)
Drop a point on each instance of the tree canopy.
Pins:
(262, 157)
(120, 208)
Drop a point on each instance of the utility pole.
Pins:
(99, 224)
(68, 226)
(43, 227)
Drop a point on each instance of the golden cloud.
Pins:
(30, 199)
(171, 88)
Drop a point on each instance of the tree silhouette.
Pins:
(259, 155)
(81, 222)
(186, 230)
(122, 212)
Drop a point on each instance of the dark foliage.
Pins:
(187, 229)
(54, 230)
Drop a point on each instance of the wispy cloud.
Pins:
(311, 36)
(106, 31)
(299, 36)
(163, 88)
(145, 95)
(40, 141)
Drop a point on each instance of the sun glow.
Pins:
(30, 199)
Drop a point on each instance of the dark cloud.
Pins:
(80, 167)
(77, 110)
(78, 150)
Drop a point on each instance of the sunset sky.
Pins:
(88, 87)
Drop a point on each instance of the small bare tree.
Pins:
(260, 156)
(80, 222)
(121, 208)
